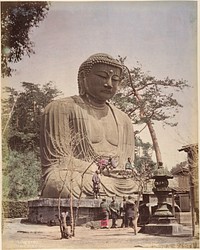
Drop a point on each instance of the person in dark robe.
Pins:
(123, 213)
(114, 209)
(96, 184)
(132, 213)
(104, 212)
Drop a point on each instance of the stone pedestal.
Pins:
(45, 210)
(163, 229)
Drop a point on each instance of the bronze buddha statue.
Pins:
(78, 129)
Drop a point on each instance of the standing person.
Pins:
(111, 163)
(123, 212)
(96, 184)
(65, 222)
(132, 213)
(105, 211)
(114, 209)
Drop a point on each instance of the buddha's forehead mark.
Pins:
(109, 72)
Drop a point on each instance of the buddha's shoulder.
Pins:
(66, 102)
(119, 112)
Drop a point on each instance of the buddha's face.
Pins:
(102, 82)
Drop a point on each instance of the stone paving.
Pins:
(16, 235)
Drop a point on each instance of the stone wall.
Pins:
(45, 210)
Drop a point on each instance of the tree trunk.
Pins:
(151, 129)
(59, 216)
(155, 141)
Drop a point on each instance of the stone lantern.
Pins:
(162, 222)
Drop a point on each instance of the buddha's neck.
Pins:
(92, 101)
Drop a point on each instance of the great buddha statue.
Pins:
(77, 130)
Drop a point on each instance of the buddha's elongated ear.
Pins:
(82, 83)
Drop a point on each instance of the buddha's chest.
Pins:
(102, 129)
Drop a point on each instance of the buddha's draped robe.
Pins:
(67, 149)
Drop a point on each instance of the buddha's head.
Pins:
(99, 77)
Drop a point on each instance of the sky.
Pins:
(160, 35)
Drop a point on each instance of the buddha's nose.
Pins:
(108, 83)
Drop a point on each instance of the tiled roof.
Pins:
(180, 171)
(180, 189)
(181, 168)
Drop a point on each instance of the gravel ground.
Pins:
(30, 236)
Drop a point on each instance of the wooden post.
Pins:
(191, 169)
(192, 154)
(192, 209)
(173, 204)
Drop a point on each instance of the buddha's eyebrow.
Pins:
(103, 71)
(108, 72)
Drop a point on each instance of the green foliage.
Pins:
(17, 19)
(143, 156)
(21, 175)
(147, 99)
(24, 109)
(21, 170)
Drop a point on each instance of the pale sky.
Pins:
(160, 35)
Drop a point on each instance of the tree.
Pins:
(143, 178)
(17, 19)
(69, 175)
(144, 167)
(147, 99)
(22, 112)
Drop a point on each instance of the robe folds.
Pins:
(68, 149)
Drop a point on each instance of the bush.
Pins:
(21, 176)
(15, 209)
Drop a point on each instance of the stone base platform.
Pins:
(45, 210)
(163, 229)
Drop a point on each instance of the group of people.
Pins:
(108, 165)
(127, 211)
